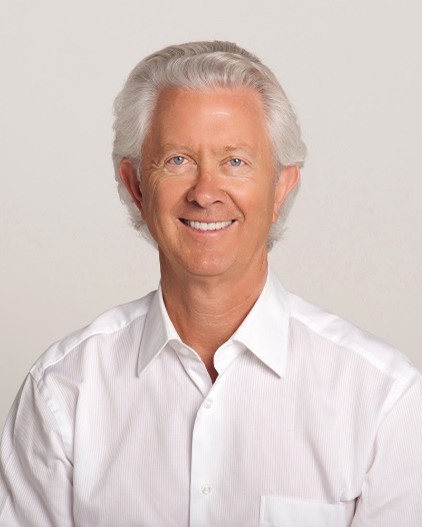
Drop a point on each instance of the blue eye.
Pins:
(177, 160)
(236, 162)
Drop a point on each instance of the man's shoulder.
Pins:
(105, 326)
(351, 341)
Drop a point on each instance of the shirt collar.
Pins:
(264, 331)
(157, 333)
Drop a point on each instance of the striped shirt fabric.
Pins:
(310, 423)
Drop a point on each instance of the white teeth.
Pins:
(203, 226)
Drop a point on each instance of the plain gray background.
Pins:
(352, 71)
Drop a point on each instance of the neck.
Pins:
(206, 311)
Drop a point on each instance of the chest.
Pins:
(160, 452)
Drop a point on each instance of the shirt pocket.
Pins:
(277, 511)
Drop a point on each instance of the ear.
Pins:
(129, 178)
(289, 178)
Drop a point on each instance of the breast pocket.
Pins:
(277, 511)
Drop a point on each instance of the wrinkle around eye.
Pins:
(171, 164)
(243, 168)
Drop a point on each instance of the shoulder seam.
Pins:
(403, 378)
(69, 343)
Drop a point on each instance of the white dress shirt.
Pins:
(310, 423)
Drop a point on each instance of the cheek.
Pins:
(258, 201)
(150, 188)
(160, 200)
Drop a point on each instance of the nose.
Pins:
(206, 189)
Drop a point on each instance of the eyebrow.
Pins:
(232, 148)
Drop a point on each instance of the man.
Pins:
(220, 399)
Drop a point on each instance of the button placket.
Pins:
(206, 454)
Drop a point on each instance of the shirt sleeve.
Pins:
(35, 472)
(392, 490)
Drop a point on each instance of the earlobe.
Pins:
(129, 178)
(289, 178)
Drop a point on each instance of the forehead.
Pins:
(215, 115)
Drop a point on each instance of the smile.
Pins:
(204, 226)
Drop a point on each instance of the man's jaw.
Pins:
(207, 226)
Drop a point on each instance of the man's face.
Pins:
(208, 193)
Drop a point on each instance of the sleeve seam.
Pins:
(56, 414)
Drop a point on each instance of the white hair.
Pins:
(202, 66)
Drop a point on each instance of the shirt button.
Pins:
(184, 351)
(208, 403)
(206, 489)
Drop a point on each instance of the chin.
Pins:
(207, 267)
